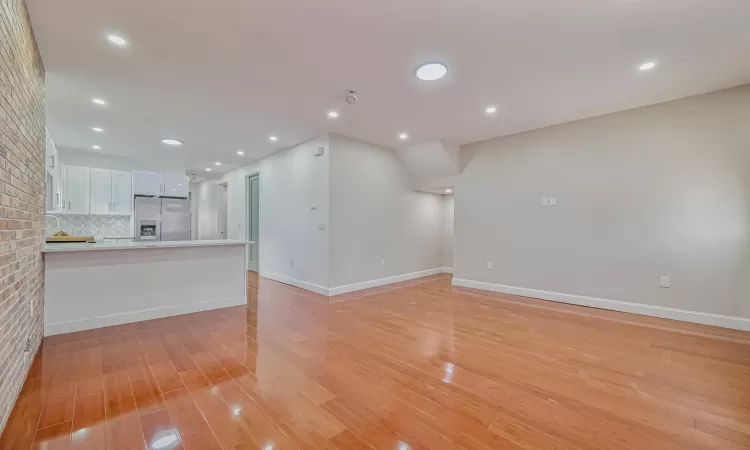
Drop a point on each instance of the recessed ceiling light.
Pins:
(208, 169)
(96, 147)
(273, 138)
(117, 40)
(449, 191)
(99, 101)
(431, 71)
(490, 109)
(403, 136)
(170, 141)
(217, 163)
(240, 152)
(98, 130)
(647, 66)
(333, 114)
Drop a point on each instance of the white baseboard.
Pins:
(447, 269)
(295, 282)
(89, 323)
(383, 281)
(737, 323)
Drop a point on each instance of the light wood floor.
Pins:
(421, 365)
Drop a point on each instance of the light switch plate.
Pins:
(489, 265)
(321, 226)
(552, 201)
(545, 201)
(665, 282)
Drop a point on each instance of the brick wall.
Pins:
(22, 203)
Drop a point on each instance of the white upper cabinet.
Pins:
(168, 184)
(122, 193)
(175, 185)
(147, 183)
(111, 192)
(53, 177)
(77, 188)
(101, 191)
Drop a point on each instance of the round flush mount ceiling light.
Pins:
(273, 138)
(449, 191)
(240, 152)
(333, 114)
(403, 136)
(96, 147)
(431, 71)
(217, 163)
(99, 101)
(647, 66)
(208, 169)
(492, 109)
(117, 40)
(170, 141)
(98, 129)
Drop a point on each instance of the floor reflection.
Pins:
(415, 365)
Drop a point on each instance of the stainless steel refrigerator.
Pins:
(162, 219)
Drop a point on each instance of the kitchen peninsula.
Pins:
(93, 285)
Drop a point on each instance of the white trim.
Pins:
(383, 281)
(137, 316)
(447, 269)
(737, 323)
(295, 282)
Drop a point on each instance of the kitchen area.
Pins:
(119, 248)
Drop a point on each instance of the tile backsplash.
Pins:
(91, 225)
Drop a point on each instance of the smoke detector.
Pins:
(351, 97)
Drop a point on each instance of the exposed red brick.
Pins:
(22, 202)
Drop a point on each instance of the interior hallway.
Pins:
(417, 365)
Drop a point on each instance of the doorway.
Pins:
(253, 220)
(222, 209)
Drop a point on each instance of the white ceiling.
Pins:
(225, 74)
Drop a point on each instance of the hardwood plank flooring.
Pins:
(417, 365)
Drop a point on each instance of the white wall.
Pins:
(292, 182)
(207, 194)
(655, 191)
(375, 214)
(447, 237)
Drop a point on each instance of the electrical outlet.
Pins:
(665, 282)
(321, 226)
(552, 201)
(489, 265)
(382, 262)
(27, 347)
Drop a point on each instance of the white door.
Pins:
(175, 185)
(147, 183)
(78, 185)
(122, 193)
(101, 191)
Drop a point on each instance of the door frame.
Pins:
(249, 221)
(222, 210)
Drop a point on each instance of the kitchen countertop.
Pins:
(82, 247)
